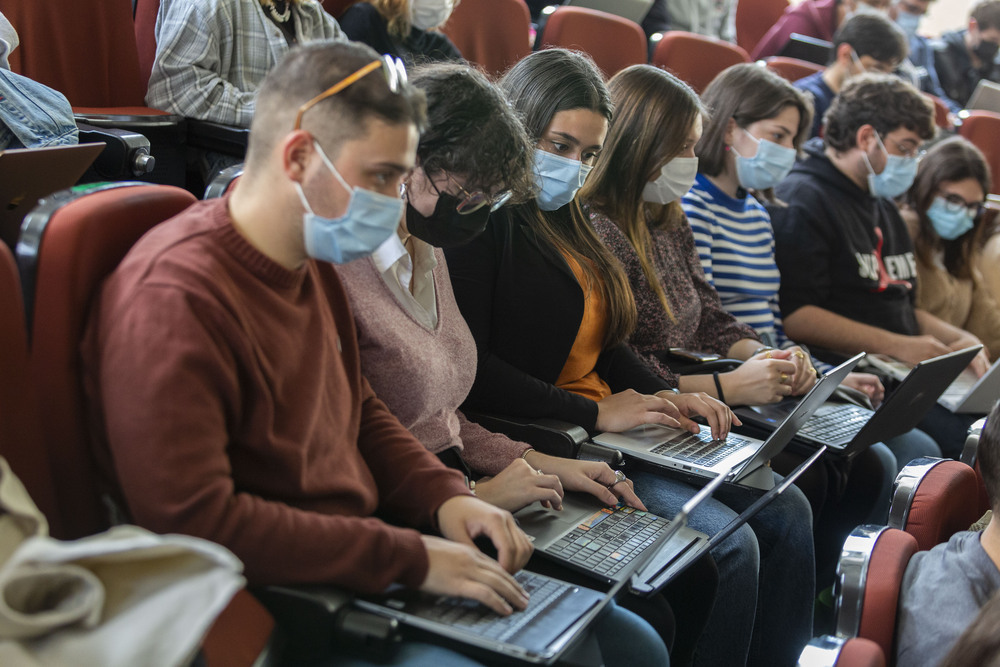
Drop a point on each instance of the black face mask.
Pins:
(986, 52)
(445, 227)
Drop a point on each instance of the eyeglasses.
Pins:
(955, 204)
(914, 153)
(473, 201)
(392, 68)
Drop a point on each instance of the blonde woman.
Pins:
(406, 29)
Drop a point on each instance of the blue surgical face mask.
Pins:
(369, 220)
(895, 179)
(949, 224)
(908, 23)
(767, 167)
(558, 179)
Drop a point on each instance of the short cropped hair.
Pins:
(987, 14)
(305, 72)
(988, 456)
(873, 35)
(473, 131)
(883, 101)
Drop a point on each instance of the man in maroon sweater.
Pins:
(223, 370)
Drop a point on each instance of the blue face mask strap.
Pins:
(864, 154)
(755, 140)
(329, 165)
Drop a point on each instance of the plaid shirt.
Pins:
(211, 55)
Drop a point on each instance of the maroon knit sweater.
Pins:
(228, 392)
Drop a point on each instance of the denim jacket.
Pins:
(33, 115)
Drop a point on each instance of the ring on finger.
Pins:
(784, 378)
(538, 471)
(619, 478)
(800, 354)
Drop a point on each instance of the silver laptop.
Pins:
(986, 96)
(966, 395)
(700, 456)
(633, 10)
(850, 429)
(600, 541)
(971, 395)
(557, 615)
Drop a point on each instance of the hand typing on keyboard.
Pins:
(720, 418)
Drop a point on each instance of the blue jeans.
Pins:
(912, 445)
(625, 640)
(763, 612)
(948, 429)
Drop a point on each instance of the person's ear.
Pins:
(730, 134)
(296, 149)
(865, 139)
(844, 58)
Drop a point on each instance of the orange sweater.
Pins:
(231, 396)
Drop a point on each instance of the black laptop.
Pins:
(849, 429)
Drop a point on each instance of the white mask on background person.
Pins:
(430, 14)
(675, 179)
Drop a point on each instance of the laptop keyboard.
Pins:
(837, 426)
(484, 621)
(700, 449)
(609, 539)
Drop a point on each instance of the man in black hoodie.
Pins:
(963, 57)
(847, 267)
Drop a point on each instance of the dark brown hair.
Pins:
(883, 101)
(654, 112)
(987, 14)
(746, 93)
(472, 131)
(540, 86)
(953, 159)
(988, 456)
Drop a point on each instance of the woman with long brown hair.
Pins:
(550, 308)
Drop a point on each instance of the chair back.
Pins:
(613, 42)
(933, 499)
(830, 651)
(970, 458)
(20, 430)
(694, 58)
(85, 49)
(145, 37)
(493, 34)
(754, 18)
(70, 243)
(869, 576)
(982, 128)
(791, 69)
(942, 114)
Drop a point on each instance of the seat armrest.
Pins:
(209, 136)
(125, 156)
(549, 436)
(314, 618)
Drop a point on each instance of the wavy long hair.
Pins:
(540, 86)
(654, 112)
